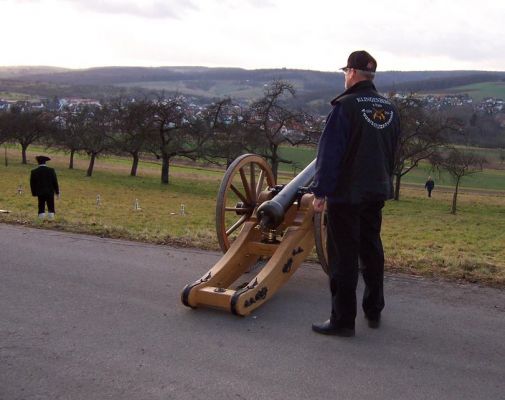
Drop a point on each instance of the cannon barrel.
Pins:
(271, 213)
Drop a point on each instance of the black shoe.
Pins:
(327, 328)
(374, 322)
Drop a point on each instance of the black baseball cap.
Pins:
(361, 60)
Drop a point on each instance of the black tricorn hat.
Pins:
(42, 159)
(361, 60)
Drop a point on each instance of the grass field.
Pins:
(420, 235)
(479, 91)
(489, 179)
(12, 96)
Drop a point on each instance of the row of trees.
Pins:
(428, 136)
(168, 128)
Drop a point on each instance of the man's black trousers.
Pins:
(354, 233)
(43, 200)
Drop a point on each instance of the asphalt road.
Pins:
(88, 318)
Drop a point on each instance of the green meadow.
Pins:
(480, 91)
(489, 179)
(420, 235)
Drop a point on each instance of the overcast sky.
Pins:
(305, 34)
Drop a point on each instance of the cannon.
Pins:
(265, 231)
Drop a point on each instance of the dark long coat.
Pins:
(43, 181)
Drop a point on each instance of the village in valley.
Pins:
(194, 106)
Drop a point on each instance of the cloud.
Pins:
(416, 34)
(145, 9)
(431, 34)
(19, 1)
(261, 3)
(243, 4)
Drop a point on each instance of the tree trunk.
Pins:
(71, 163)
(165, 165)
(228, 162)
(275, 162)
(135, 164)
(455, 198)
(23, 153)
(89, 172)
(398, 179)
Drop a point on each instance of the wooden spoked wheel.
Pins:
(320, 220)
(240, 188)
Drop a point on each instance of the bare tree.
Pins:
(3, 127)
(27, 127)
(173, 134)
(4, 135)
(312, 129)
(458, 164)
(96, 138)
(133, 123)
(72, 126)
(227, 132)
(270, 120)
(482, 129)
(423, 134)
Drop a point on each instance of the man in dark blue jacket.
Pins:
(429, 185)
(44, 185)
(354, 170)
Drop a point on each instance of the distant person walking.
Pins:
(44, 185)
(429, 185)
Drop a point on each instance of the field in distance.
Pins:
(479, 91)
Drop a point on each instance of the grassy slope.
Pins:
(420, 236)
(13, 96)
(479, 91)
(158, 221)
(489, 179)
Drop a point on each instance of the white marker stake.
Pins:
(136, 205)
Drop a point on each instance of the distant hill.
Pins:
(314, 88)
(14, 72)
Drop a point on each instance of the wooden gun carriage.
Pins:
(261, 227)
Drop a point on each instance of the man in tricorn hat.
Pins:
(354, 170)
(44, 185)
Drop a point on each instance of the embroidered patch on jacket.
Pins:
(377, 116)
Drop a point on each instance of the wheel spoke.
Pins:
(259, 186)
(239, 195)
(237, 208)
(246, 185)
(234, 227)
(253, 182)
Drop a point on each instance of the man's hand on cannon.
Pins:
(318, 204)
